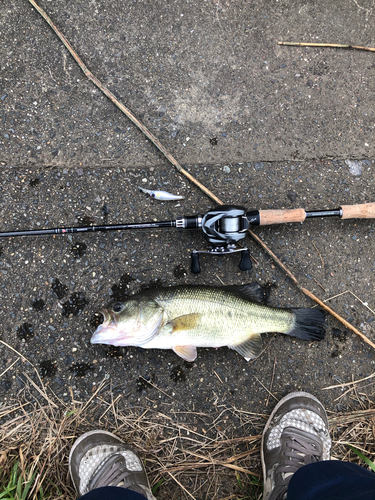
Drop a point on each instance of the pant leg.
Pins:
(333, 480)
(112, 493)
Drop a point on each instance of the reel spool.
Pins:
(223, 227)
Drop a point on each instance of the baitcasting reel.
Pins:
(223, 227)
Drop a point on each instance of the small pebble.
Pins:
(355, 167)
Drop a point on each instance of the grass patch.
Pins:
(187, 454)
(367, 461)
(20, 483)
(253, 490)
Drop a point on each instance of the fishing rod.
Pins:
(223, 227)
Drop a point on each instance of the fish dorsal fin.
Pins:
(186, 352)
(251, 348)
(184, 322)
(252, 291)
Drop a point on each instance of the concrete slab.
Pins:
(207, 78)
(52, 286)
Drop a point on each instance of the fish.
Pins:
(161, 195)
(185, 317)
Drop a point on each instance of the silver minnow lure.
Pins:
(161, 195)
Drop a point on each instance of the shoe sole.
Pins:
(81, 438)
(281, 402)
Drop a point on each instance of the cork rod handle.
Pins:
(268, 217)
(364, 211)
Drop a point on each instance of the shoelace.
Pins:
(113, 471)
(296, 453)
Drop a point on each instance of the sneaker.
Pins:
(296, 434)
(99, 458)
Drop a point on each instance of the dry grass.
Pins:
(193, 455)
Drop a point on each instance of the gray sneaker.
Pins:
(99, 458)
(296, 434)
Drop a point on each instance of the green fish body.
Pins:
(183, 318)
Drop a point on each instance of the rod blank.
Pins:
(87, 229)
(229, 224)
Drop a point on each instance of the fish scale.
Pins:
(225, 318)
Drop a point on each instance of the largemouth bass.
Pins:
(183, 318)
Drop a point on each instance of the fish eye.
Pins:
(118, 307)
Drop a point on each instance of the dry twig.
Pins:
(331, 45)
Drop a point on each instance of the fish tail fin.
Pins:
(309, 324)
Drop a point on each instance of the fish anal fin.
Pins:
(251, 348)
(252, 291)
(186, 352)
(185, 322)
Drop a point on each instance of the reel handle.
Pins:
(195, 265)
(245, 262)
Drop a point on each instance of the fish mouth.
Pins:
(115, 331)
(108, 316)
(111, 332)
(107, 332)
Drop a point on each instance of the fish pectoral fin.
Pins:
(186, 352)
(249, 349)
(185, 322)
